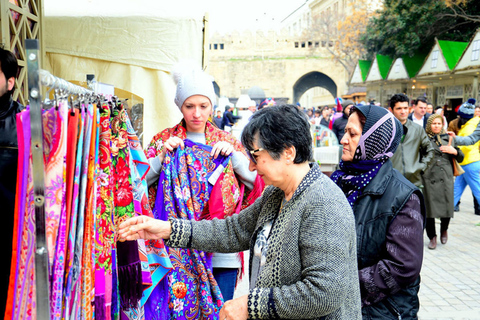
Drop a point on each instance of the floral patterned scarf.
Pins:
(184, 189)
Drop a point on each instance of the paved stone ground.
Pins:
(450, 288)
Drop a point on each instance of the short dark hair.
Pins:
(398, 97)
(420, 99)
(8, 64)
(277, 128)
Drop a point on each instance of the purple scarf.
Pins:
(184, 189)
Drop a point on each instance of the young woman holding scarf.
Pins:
(192, 290)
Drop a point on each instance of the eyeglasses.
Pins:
(251, 154)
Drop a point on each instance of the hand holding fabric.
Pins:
(171, 144)
(223, 147)
(144, 227)
(236, 309)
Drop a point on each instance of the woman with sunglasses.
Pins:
(300, 232)
(235, 188)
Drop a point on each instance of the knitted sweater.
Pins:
(311, 265)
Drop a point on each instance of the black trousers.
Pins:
(430, 226)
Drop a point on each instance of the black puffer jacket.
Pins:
(8, 179)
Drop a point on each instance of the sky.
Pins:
(225, 15)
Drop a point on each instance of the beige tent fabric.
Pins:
(154, 86)
(135, 54)
(150, 42)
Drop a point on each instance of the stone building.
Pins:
(447, 75)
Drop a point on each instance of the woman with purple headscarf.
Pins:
(389, 214)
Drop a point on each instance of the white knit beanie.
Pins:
(192, 81)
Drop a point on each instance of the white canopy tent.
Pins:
(131, 45)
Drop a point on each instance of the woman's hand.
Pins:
(171, 144)
(451, 134)
(449, 149)
(236, 309)
(144, 227)
(223, 147)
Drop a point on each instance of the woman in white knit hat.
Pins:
(233, 188)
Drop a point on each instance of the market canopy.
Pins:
(132, 45)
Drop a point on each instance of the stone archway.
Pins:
(310, 80)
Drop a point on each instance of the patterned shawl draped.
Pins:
(226, 197)
(184, 190)
(380, 138)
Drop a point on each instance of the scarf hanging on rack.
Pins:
(184, 190)
(55, 124)
(104, 232)
(76, 274)
(72, 232)
(95, 178)
(88, 293)
(21, 294)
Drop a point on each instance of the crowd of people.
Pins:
(349, 246)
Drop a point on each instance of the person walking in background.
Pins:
(467, 124)
(325, 120)
(295, 273)
(8, 161)
(419, 114)
(229, 119)
(389, 215)
(415, 151)
(234, 186)
(318, 117)
(438, 180)
(218, 119)
(439, 110)
(338, 126)
(429, 108)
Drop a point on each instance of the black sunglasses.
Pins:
(251, 152)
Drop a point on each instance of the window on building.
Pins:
(296, 44)
(303, 44)
(397, 67)
(221, 46)
(434, 59)
(476, 50)
(317, 44)
(210, 46)
(324, 43)
(215, 46)
(309, 44)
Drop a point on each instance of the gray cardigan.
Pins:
(311, 266)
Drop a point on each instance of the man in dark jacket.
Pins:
(339, 124)
(419, 114)
(218, 119)
(229, 119)
(8, 163)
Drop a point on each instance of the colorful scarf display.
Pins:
(222, 198)
(184, 189)
(94, 179)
